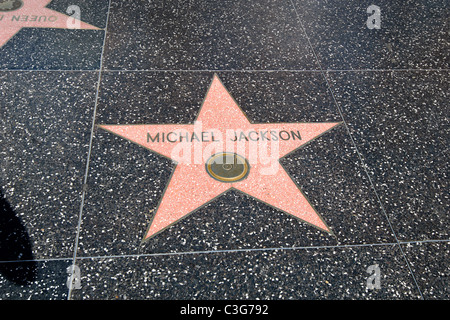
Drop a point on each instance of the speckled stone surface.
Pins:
(46, 121)
(202, 35)
(413, 34)
(48, 281)
(337, 273)
(400, 123)
(429, 262)
(72, 193)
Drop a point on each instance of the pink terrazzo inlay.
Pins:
(33, 14)
(222, 126)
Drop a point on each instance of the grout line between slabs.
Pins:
(343, 246)
(235, 251)
(83, 195)
(225, 70)
(275, 70)
(356, 148)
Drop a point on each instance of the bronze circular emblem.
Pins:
(227, 167)
(10, 5)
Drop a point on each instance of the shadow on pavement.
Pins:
(15, 246)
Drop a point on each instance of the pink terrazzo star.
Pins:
(221, 126)
(18, 14)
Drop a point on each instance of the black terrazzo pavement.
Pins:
(75, 194)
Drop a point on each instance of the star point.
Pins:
(34, 14)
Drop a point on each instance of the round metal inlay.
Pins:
(227, 167)
(10, 5)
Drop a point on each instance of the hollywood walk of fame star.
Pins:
(223, 150)
(18, 14)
